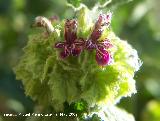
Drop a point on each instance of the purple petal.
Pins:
(90, 45)
(79, 42)
(70, 31)
(64, 54)
(104, 19)
(76, 51)
(96, 34)
(107, 43)
(104, 44)
(60, 45)
(103, 57)
(109, 17)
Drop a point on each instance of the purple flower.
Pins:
(105, 44)
(72, 45)
(103, 57)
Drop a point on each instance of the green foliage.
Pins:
(152, 111)
(76, 3)
(100, 3)
(115, 3)
(53, 81)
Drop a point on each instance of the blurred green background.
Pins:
(138, 22)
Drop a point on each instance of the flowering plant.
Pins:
(80, 66)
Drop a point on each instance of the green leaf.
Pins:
(75, 3)
(92, 3)
(116, 3)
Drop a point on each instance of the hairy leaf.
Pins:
(52, 81)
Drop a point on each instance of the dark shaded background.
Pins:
(137, 21)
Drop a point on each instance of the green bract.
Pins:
(53, 81)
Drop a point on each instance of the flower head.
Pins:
(71, 45)
(103, 57)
